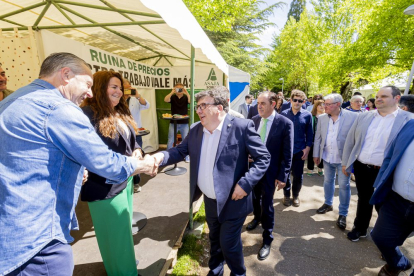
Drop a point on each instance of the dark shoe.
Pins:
(341, 222)
(263, 252)
(286, 201)
(296, 202)
(386, 270)
(324, 208)
(354, 235)
(252, 225)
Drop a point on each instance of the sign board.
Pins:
(139, 74)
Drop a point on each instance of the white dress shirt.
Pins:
(373, 147)
(268, 125)
(207, 158)
(404, 175)
(330, 151)
(135, 107)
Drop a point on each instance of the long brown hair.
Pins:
(315, 106)
(104, 114)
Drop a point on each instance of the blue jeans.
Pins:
(182, 128)
(394, 224)
(344, 186)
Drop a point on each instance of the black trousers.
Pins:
(297, 176)
(365, 176)
(263, 209)
(311, 164)
(225, 242)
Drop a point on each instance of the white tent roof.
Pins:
(156, 32)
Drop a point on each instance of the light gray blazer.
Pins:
(243, 109)
(356, 135)
(345, 124)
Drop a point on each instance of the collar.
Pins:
(339, 115)
(47, 85)
(219, 127)
(271, 117)
(395, 113)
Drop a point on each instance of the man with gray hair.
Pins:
(331, 131)
(220, 145)
(356, 104)
(4, 92)
(366, 143)
(47, 142)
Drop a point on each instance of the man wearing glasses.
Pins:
(302, 142)
(329, 142)
(220, 145)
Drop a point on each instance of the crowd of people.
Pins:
(71, 133)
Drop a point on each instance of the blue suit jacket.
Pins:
(280, 146)
(238, 139)
(252, 111)
(385, 178)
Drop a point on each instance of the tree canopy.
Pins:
(341, 45)
(296, 9)
(233, 27)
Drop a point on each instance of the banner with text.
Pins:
(139, 74)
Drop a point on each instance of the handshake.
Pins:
(148, 164)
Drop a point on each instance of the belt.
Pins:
(401, 198)
(370, 166)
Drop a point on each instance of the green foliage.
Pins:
(342, 45)
(201, 214)
(189, 254)
(218, 15)
(234, 29)
(296, 9)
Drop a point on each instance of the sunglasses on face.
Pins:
(296, 100)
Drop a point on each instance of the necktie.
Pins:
(263, 130)
(248, 107)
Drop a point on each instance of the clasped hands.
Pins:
(148, 164)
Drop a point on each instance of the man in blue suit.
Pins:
(394, 191)
(276, 132)
(219, 147)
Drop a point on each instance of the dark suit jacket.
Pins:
(238, 139)
(252, 111)
(385, 178)
(280, 146)
(95, 187)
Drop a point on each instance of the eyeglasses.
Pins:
(203, 106)
(329, 104)
(296, 100)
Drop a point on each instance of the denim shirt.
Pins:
(303, 132)
(46, 141)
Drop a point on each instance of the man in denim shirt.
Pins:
(302, 142)
(46, 142)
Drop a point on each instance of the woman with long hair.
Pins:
(317, 110)
(279, 103)
(371, 105)
(111, 205)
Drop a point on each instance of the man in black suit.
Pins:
(219, 147)
(276, 132)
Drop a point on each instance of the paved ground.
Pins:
(164, 200)
(305, 243)
(309, 244)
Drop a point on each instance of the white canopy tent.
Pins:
(159, 33)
